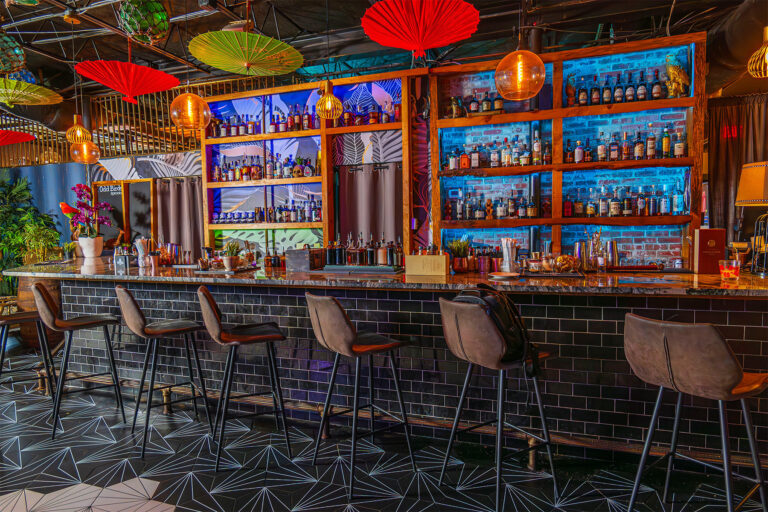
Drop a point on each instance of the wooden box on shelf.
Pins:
(427, 264)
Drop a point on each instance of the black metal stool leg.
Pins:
(280, 400)
(191, 378)
(396, 379)
(140, 389)
(755, 456)
(673, 446)
(273, 384)
(113, 370)
(455, 426)
(726, 455)
(3, 342)
(324, 417)
(354, 428)
(221, 392)
(370, 394)
(545, 435)
(201, 379)
(226, 387)
(60, 386)
(152, 372)
(47, 358)
(500, 439)
(646, 449)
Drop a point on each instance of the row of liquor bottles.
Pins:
(612, 90)
(476, 103)
(275, 167)
(645, 146)
(624, 202)
(361, 253)
(500, 154)
(306, 211)
(469, 206)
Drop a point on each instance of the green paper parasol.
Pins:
(16, 92)
(245, 53)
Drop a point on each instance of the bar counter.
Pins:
(594, 401)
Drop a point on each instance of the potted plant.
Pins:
(459, 253)
(69, 250)
(231, 257)
(84, 219)
(39, 238)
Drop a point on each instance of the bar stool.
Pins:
(51, 317)
(26, 317)
(335, 331)
(245, 334)
(692, 359)
(472, 335)
(137, 323)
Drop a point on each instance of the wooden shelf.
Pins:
(268, 225)
(265, 183)
(490, 172)
(626, 164)
(657, 220)
(494, 223)
(556, 113)
(379, 127)
(261, 137)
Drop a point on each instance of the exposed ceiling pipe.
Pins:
(53, 15)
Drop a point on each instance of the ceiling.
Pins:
(52, 44)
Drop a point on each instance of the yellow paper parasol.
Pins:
(245, 53)
(16, 92)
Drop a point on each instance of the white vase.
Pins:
(91, 247)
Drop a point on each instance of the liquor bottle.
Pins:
(297, 118)
(485, 104)
(282, 126)
(511, 207)
(642, 89)
(234, 124)
(587, 152)
(652, 203)
(498, 102)
(547, 158)
(639, 152)
(650, 143)
(618, 90)
(525, 155)
(453, 161)
(494, 155)
(603, 204)
(289, 121)
(679, 150)
(591, 208)
(474, 105)
(272, 124)
(615, 204)
(242, 127)
(278, 170)
(614, 152)
(629, 91)
(306, 119)
(349, 118)
(231, 173)
(251, 129)
(607, 93)
(678, 199)
(582, 94)
(373, 115)
(381, 251)
(288, 165)
(359, 116)
(640, 204)
(666, 144)
(522, 206)
(602, 155)
(501, 208)
(223, 129)
(656, 92)
(259, 169)
(578, 153)
(474, 158)
(506, 154)
(531, 211)
(578, 205)
(626, 148)
(384, 116)
(594, 92)
(567, 206)
(569, 154)
(464, 159)
(536, 149)
(626, 203)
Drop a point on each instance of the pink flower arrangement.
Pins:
(86, 213)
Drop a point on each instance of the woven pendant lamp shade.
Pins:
(12, 57)
(758, 62)
(77, 132)
(245, 53)
(329, 106)
(14, 92)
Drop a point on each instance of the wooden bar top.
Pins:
(644, 284)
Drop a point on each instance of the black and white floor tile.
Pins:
(94, 464)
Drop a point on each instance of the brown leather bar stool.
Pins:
(692, 359)
(26, 317)
(472, 335)
(246, 334)
(51, 317)
(335, 331)
(153, 332)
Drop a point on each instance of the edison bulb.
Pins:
(85, 152)
(190, 111)
(520, 75)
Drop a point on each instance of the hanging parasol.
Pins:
(245, 53)
(418, 25)
(8, 137)
(127, 78)
(15, 92)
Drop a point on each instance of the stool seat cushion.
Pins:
(21, 317)
(252, 333)
(171, 327)
(86, 322)
(372, 343)
(751, 384)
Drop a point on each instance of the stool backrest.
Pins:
(331, 324)
(46, 306)
(690, 358)
(471, 334)
(211, 314)
(134, 317)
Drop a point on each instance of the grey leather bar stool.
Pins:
(246, 334)
(335, 331)
(26, 317)
(472, 335)
(153, 332)
(692, 359)
(52, 319)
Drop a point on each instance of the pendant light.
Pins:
(86, 152)
(758, 62)
(77, 133)
(81, 149)
(328, 106)
(520, 75)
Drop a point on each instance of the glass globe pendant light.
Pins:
(329, 106)
(85, 152)
(191, 112)
(77, 132)
(520, 75)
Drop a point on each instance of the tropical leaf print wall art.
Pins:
(171, 165)
(386, 146)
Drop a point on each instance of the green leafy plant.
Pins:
(232, 249)
(70, 247)
(459, 248)
(39, 238)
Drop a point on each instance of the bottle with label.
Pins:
(664, 206)
(297, 117)
(640, 204)
(359, 116)
(531, 211)
(618, 90)
(474, 105)
(578, 153)
(639, 152)
(289, 126)
(474, 158)
(569, 154)
(234, 124)
(602, 154)
(269, 168)
(626, 203)
(666, 144)
(591, 208)
(494, 155)
(501, 208)
(306, 119)
(485, 104)
(626, 148)
(679, 150)
(522, 206)
(650, 143)
(594, 92)
(656, 91)
(498, 102)
(587, 152)
(615, 204)
(567, 206)
(453, 161)
(629, 91)
(614, 152)
(641, 91)
(536, 149)
(603, 204)
(278, 169)
(283, 124)
(607, 92)
(506, 154)
(582, 93)
(547, 157)
(652, 203)
(678, 206)
(464, 159)
(272, 125)
(578, 205)
(373, 115)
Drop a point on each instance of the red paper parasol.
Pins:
(8, 137)
(419, 25)
(127, 78)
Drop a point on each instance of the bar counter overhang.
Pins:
(594, 402)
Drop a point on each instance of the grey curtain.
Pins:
(180, 212)
(371, 201)
(737, 135)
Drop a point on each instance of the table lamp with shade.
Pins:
(753, 191)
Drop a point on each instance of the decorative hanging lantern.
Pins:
(758, 62)
(14, 92)
(418, 25)
(8, 137)
(144, 20)
(245, 53)
(29, 3)
(329, 106)
(77, 133)
(520, 75)
(127, 78)
(24, 75)
(86, 152)
(190, 111)
(12, 57)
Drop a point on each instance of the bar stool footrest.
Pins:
(251, 414)
(90, 388)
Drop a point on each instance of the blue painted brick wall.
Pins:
(456, 138)
(637, 244)
(633, 178)
(581, 128)
(492, 237)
